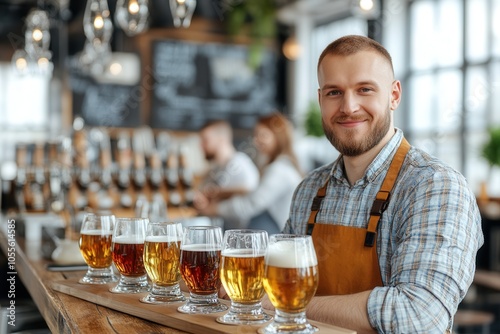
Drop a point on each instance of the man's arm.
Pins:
(348, 311)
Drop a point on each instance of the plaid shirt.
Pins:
(427, 238)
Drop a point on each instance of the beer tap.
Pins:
(55, 181)
(66, 165)
(124, 158)
(39, 179)
(65, 152)
(105, 177)
(21, 177)
(186, 176)
(139, 175)
(155, 175)
(158, 208)
(83, 177)
(172, 178)
(142, 204)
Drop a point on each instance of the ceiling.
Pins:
(70, 14)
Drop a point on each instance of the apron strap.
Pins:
(381, 201)
(384, 194)
(316, 205)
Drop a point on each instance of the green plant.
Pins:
(312, 123)
(491, 149)
(255, 18)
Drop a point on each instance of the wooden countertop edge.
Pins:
(166, 315)
(45, 299)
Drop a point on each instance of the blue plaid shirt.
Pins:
(427, 238)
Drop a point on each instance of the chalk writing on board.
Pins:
(195, 82)
(104, 104)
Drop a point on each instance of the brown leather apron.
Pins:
(347, 256)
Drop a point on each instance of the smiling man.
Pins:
(396, 231)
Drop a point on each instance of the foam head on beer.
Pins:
(129, 239)
(290, 254)
(162, 238)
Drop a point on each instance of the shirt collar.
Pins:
(379, 164)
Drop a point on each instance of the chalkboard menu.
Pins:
(195, 82)
(109, 105)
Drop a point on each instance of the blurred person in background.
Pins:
(231, 172)
(268, 205)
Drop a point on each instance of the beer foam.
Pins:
(201, 247)
(162, 238)
(96, 232)
(129, 239)
(243, 252)
(288, 254)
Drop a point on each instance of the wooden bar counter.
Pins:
(69, 307)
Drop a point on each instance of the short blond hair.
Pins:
(351, 44)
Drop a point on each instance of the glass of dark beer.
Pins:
(95, 245)
(128, 249)
(200, 265)
(242, 272)
(290, 280)
(161, 260)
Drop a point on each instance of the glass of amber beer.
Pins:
(95, 245)
(200, 262)
(242, 271)
(161, 259)
(290, 280)
(128, 248)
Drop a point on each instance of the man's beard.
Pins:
(209, 156)
(352, 148)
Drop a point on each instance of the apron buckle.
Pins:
(379, 206)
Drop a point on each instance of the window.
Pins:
(453, 81)
(24, 109)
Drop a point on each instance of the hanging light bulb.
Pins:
(20, 61)
(97, 24)
(132, 16)
(182, 12)
(37, 35)
(367, 9)
(42, 63)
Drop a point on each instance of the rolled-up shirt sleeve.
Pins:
(432, 241)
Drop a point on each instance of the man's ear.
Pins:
(395, 94)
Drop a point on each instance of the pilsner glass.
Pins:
(161, 259)
(200, 261)
(128, 249)
(290, 280)
(95, 245)
(242, 271)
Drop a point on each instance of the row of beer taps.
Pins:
(148, 171)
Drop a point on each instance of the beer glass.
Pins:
(290, 280)
(200, 261)
(242, 271)
(128, 249)
(161, 260)
(95, 245)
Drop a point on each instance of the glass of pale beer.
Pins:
(128, 249)
(200, 265)
(161, 260)
(290, 280)
(242, 272)
(96, 234)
